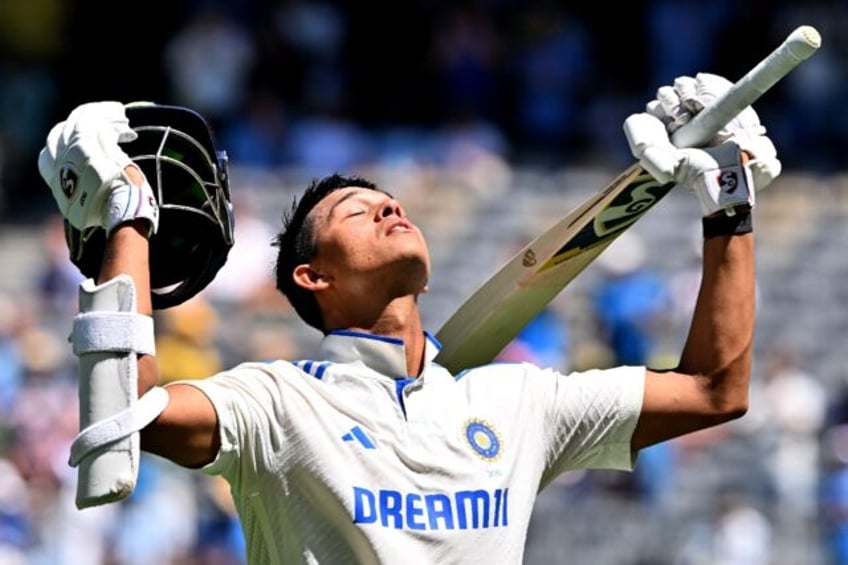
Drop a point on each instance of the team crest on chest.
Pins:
(483, 439)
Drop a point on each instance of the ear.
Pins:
(310, 279)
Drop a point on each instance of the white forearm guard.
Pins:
(108, 335)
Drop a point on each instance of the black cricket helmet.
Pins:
(176, 151)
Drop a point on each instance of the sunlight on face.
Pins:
(360, 232)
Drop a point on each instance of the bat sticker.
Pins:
(620, 214)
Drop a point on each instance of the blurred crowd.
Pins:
(307, 87)
(325, 85)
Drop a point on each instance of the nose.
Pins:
(391, 208)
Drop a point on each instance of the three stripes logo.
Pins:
(314, 368)
(318, 370)
(357, 435)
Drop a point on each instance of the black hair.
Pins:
(296, 243)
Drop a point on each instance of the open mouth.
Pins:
(399, 227)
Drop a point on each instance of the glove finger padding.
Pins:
(669, 109)
(110, 112)
(83, 164)
(692, 98)
(693, 94)
(676, 105)
(763, 162)
(80, 163)
(649, 143)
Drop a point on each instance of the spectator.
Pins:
(551, 63)
(11, 361)
(58, 279)
(544, 341)
(795, 408)
(246, 276)
(208, 63)
(630, 301)
(468, 55)
(833, 493)
(187, 340)
(258, 135)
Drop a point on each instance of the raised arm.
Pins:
(710, 384)
(103, 194)
(186, 431)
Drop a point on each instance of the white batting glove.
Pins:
(720, 175)
(83, 165)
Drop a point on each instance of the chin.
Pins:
(412, 275)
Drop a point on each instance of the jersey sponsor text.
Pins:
(461, 510)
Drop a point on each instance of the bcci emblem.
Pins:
(68, 179)
(483, 440)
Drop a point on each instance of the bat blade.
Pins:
(493, 315)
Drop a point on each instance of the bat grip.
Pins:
(797, 47)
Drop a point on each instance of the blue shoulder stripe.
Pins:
(314, 368)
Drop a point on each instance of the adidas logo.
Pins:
(356, 434)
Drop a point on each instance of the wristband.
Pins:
(129, 201)
(722, 224)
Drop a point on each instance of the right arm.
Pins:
(186, 432)
(710, 385)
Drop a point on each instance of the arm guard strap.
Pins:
(108, 335)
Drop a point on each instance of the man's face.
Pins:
(362, 232)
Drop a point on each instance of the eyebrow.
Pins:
(341, 200)
(359, 191)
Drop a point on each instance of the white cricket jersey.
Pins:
(348, 460)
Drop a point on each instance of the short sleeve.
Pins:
(248, 403)
(591, 418)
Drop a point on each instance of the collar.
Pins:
(386, 355)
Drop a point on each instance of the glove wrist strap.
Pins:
(721, 224)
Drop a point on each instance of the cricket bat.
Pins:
(498, 310)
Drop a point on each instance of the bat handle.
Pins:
(797, 47)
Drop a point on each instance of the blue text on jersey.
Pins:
(462, 510)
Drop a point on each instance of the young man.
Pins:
(373, 453)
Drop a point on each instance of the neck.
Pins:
(407, 327)
(399, 319)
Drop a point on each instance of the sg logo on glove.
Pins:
(68, 180)
(728, 181)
